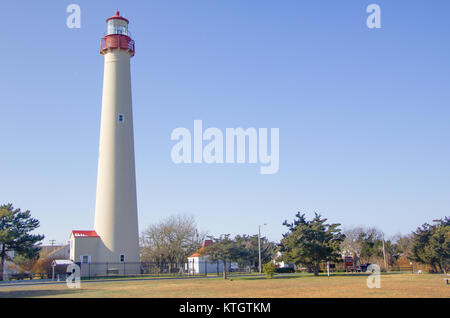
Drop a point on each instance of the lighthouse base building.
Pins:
(113, 246)
(86, 248)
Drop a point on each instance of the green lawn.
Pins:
(302, 285)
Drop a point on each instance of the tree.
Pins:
(352, 242)
(371, 241)
(439, 246)
(171, 241)
(15, 235)
(431, 245)
(269, 269)
(223, 249)
(249, 251)
(364, 242)
(403, 243)
(24, 264)
(367, 243)
(311, 242)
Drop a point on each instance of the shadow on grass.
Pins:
(274, 277)
(36, 293)
(310, 275)
(342, 274)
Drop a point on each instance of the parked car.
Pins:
(364, 267)
(284, 270)
(21, 276)
(234, 267)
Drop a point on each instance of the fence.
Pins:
(396, 268)
(194, 268)
(190, 268)
(340, 267)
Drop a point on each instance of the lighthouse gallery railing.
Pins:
(117, 41)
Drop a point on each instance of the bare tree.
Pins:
(352, 242)
(171, 241)
(403, 243)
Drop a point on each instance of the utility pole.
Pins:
(384, 255)
(52, 242)
(328, 269)
(259, 246)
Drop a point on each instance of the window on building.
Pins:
(85, 259)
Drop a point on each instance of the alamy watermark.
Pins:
(374, 19)
(235, 139)
(74, 19)
(374, 279)
(73, 280)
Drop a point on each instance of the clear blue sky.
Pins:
(363, 114)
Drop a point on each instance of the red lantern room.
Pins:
(117, 36)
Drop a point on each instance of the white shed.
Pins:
(199, 264)
(59, 266)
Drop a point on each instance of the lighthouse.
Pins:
(115, 239)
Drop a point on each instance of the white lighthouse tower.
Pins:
(116, 205)
(115, 234)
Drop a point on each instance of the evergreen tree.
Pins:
(311, 242)
(431, 245)
(15, 235)
(371, 244)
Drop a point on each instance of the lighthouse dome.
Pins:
(117, 25)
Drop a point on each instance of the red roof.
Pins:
(117, 16)
(78, 233)
(205, 244)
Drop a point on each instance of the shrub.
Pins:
(269, 269)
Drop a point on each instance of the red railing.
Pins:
(117, 41)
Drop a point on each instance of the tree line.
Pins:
(171, 241)
(311, 242)
(306, 243)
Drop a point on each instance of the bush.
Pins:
(269, 269)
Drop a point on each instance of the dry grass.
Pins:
(349, 286)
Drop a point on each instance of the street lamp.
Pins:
(259, 246)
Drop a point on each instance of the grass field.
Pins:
(302, 285)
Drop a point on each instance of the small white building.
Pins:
(199, 264)
(83, 246)
(59, 266)
(281, 264)
(85, 251)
